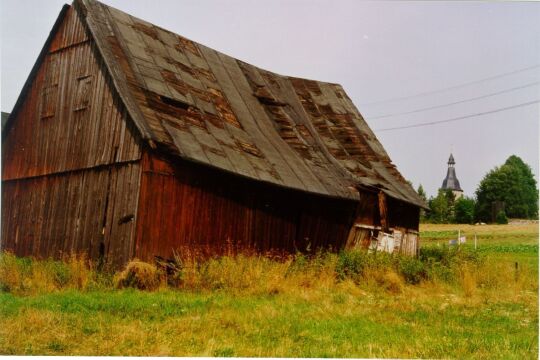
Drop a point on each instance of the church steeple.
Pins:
(451, 182)
(451, 161)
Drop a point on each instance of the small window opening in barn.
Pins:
(48, 101)
(49, 95)
(176, 103)
(83, 93)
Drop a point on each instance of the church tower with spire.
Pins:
(451, 182)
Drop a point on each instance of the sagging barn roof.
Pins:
(201, 105)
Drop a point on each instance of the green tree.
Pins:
(442, 207)
(422, 193)
(501, 218)
(513, 183)
(464, 210)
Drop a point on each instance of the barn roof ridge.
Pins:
(204, 106)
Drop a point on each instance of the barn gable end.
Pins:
(70, 169)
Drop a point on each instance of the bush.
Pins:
(351, 264)
(444, 263)
(363, 266)
(139, 275)
(436, 254)
(356, 263)
(501, 218)
(412, 269)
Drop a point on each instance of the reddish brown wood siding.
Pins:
(190, 206)
(401, 214)
(70, 166)
(69, 119)
(368, 209)
(90, 211)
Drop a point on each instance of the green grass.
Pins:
(468, 305)
(130, 322)
(525, 234)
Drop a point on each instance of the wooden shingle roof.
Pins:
(204, 106)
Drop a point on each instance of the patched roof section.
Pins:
(208, 107)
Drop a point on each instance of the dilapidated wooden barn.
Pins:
(130, 141)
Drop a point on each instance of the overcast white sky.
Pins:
(376, 50)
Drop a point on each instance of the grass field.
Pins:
(467, 305)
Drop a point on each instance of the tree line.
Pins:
(507, 191)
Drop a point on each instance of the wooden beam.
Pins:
(383, 211)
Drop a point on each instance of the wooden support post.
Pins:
(383, 211)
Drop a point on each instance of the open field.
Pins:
(462, 304)
(522, 234)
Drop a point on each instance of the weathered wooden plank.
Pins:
(332, 175)
(68, 140)
(274, 163)
(340, 175)
(383, 211)
(294, 163)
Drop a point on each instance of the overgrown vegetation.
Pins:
(25, 276)
(445, 209)
(449, 302)
(255, 275)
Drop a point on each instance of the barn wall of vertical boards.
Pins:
(70, 169)
(189, 207)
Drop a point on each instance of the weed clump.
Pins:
(28, 276)
(139, 275)
(468, 283)
(392, 282)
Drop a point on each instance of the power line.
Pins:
(455, 102)
(452, 87)
(459, 118)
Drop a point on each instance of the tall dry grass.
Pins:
(256, 274)
(27, 276)
(262, 275)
